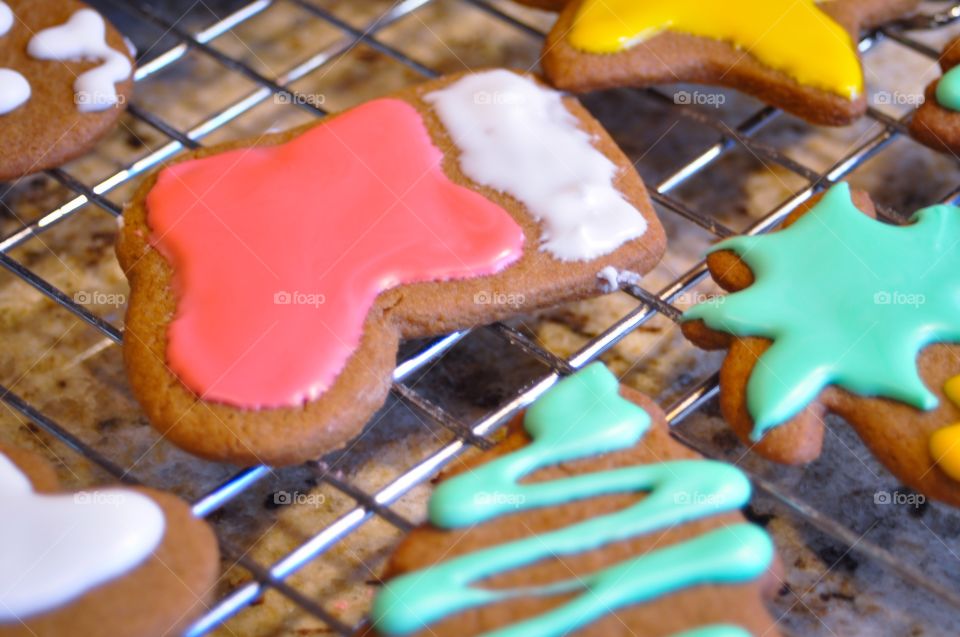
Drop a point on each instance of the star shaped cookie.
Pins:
(799, 55)
(840, 312)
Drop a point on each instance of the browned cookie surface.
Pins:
(670, 57)
(546, 5)
(160, 597)
(896, 433)
(695, 607)
(49, 130)
(291, 435)
(934, 125)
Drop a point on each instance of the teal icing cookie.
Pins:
(847, 300)
(948, 89)
(582, 416)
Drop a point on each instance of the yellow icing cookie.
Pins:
(945, 442)
(792, 36)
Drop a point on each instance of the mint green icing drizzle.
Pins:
(948, 89)
(847, 301)
(581, 416)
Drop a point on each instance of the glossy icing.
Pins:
(795, 37)
(6, 18)
(14, 88)
(948, 89)
(945, 442)
(840, 309)
(58, 547)
(279, 252)
(84, 37)
(518, 138)
(582, 416)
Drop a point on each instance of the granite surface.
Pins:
(73, 374)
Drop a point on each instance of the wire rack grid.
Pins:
(467, 434)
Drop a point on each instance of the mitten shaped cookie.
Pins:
(124, 562)
(590, 520)
(798, 55)
(65, 77)
(840, 312)
(937, 122)
(272, 280)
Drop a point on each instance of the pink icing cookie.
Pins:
(350, 214)
(271, 281)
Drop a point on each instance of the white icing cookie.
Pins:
(57, 547)
(553, 168)
(83, 37)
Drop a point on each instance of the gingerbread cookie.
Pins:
(798, 55)
(840, 312)
(272, 280)
(546, 5)
(588, 519)
(65, 77)
(937, 121)
(120, 561)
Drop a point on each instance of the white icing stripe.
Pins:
(14, 90)
(83, 37)
(518, 138)
(6, 18)
(55, 548)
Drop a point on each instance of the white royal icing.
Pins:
(518, 138)
(14, 90)
(54, 548)
(83, 37)
(6, 18)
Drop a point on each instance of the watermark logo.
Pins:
(300, 99)
(487, 297)
(93, 297)
(93, 100)
(894, 297)
(498, 98)
(296, 297)
(916, 500)
(87, 498)
(897, 98)
(499, 499)
(287, 498)
(699, 98)
(697, 498)
(696, 298)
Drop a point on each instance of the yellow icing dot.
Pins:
(945, 442)
(952, 389)
(792, 36)
(945, 449)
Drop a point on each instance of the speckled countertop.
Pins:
(74, 375)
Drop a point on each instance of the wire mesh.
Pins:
(476, 433)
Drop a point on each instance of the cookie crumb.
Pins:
(607, 279)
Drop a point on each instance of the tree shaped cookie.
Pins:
(937, 122)
(272, 280)
(589, 520)
(799, 55)
(840, 312)
(122, 562)
(65, 77)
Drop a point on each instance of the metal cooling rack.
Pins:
(473, 434)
